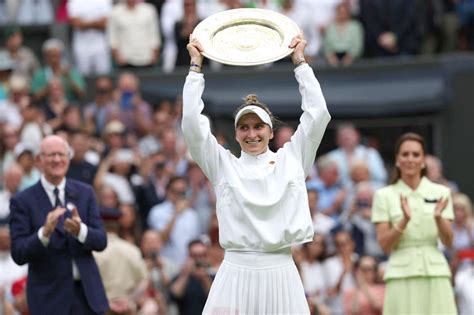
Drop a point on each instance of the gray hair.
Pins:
(52, 43)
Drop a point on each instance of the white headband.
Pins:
(260, 112)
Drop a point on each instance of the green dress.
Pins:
(417, 274)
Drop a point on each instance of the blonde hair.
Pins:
(464, 201)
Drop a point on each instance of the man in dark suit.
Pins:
(55, 226)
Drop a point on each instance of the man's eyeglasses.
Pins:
(52, 155)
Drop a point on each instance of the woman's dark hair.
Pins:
(252, 99)
(409, 136)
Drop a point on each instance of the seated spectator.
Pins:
(34, 126)
(134, 112)
(55, 103)
(122, 268)
(160, 269)
(102, 109)
(463, 229)
(130, 227)
(344, 38)
(463, 281)
(134, 34)
(350, 150)
(89, 43)
(358, 221)
(56, 66)
(19, 296)
(367, 297)
(191, 287)
(11, 272)
(282, 135)
(313, 272)
(331, 194)
(24, 60)
(322, 223)
(9, 138)
(11, 185)
(113, 136)
(79, 168)
(25, 157)
(338, 270)
(6, 69)
(10, 109)
(434, 172)
(175, 220)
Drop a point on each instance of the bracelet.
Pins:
(300, 62)
(195, 67)
(398, 229)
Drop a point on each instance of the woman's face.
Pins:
(410, 159)
(368, 270)
(253, 134)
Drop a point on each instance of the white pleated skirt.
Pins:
(254, 283)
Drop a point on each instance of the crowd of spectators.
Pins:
(157, 205)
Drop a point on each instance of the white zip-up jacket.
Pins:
(262, 203)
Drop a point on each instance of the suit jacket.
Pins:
(416, 254)
(50, 280)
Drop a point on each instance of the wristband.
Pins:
(194, 67)
(299, 62)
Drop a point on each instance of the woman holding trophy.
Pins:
(262, 204)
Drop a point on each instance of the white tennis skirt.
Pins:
(254, 283)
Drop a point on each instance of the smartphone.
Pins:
(126, 100)
(125, 155)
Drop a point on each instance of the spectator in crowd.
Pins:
(24, 60)
(10, 109)
(463, 230)
(366, 298)
(343, 39)
(102, 109)
(175, 220)
(122, 268)
(11, 185)
(151, 143)
(7, 12)
(183, 30)
(160, 269)
(313, 273)
(409, 212)
(6, 68)
(6, 307)
(135, 112)
(202, 197)
(19, 296)
(80, 169)
(116, 171)
(8, 140)
(43, 235)
(11, 272)
(25, 157)
(55, 103)
(358, 221)
(174, 151)
(282, 135)
(130, 226)
(191, 287)
(331, 194)
(56, 66)
(434, 172)
(134, 34)
(152, 190)
(390, 27)
(34, 126)
(322, 223)
(350, 150)
(113, 137)
(339, 270)
(34, 12)
(89, 44)
(463, 286)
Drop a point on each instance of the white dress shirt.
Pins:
(262, 204)
(81, 237)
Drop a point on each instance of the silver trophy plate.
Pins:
(246, 37)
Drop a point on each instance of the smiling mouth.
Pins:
(253, 142)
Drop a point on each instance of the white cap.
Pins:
(257, 110)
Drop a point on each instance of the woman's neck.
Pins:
(412, 181)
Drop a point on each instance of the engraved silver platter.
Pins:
(246, 37)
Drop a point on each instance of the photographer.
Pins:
(191, 288)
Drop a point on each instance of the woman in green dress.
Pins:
(411, 215)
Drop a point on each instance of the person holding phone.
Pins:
(262, 203)
(411, 215)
